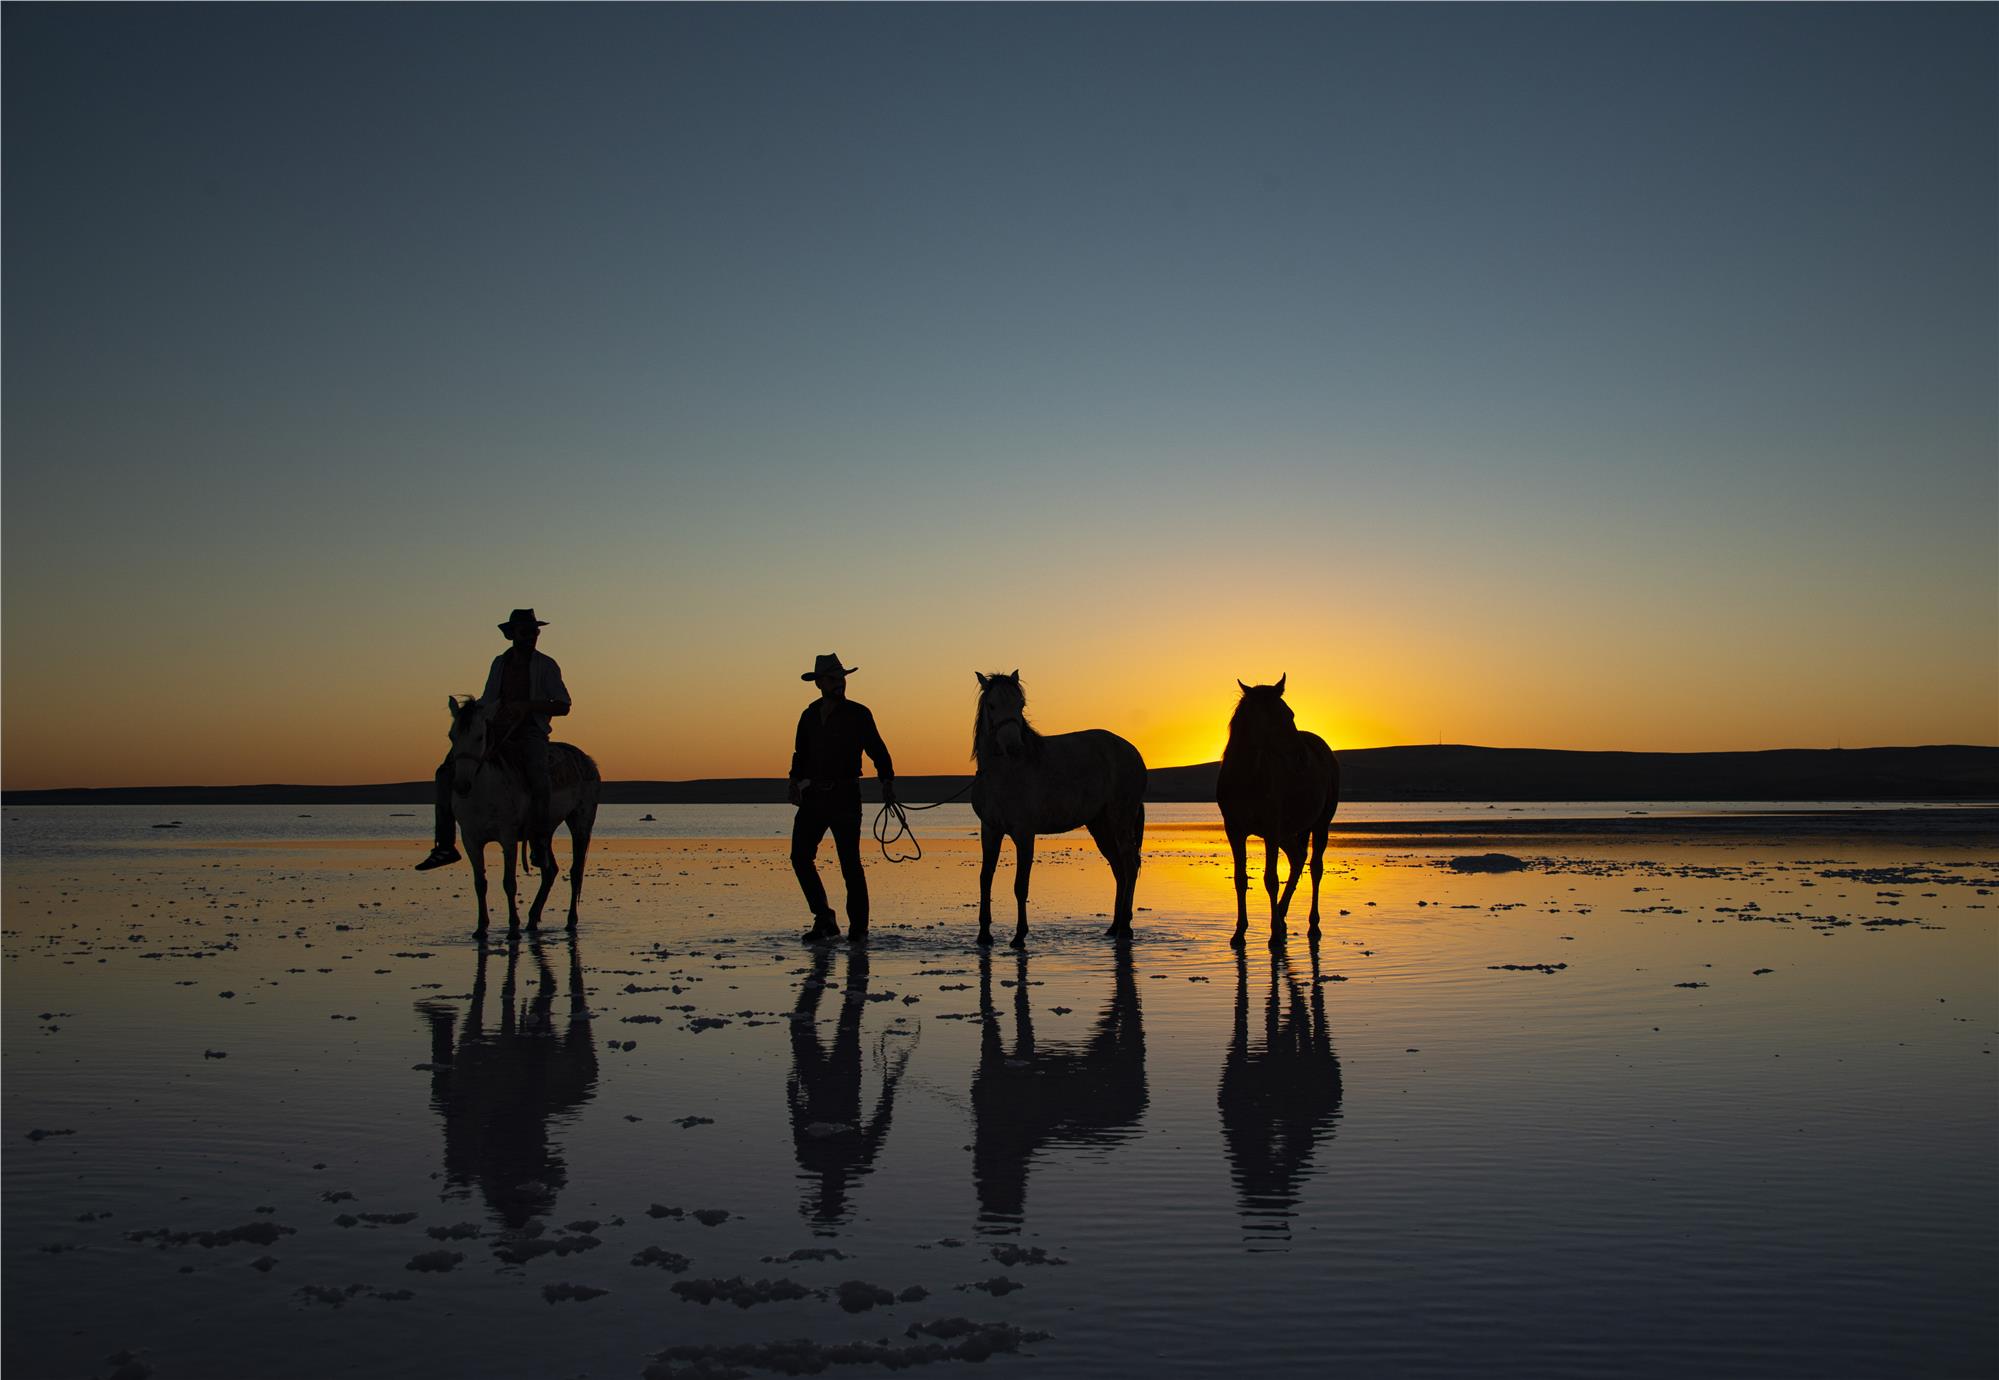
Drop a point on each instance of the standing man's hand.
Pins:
(792, 794)
(888, 791)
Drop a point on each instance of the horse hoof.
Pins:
(986, 938)
(1235, 940)
(1019, 941)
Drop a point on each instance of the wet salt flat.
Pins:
(1644, 1107)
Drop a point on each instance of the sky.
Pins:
(1619, 377)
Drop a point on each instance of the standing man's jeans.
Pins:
(529, 749)
(837, 808)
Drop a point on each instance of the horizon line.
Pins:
(955, 775)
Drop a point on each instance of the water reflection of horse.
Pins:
(835, 1147)
(499, 1091)
(1279, 1098)
(1281, 784)
(1028, 784)
(1038, 1097)
(491, 806)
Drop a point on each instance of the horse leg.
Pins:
(1239, 850)
(1294, 853)
(989, 843)
(1318, 871)
(1023, 865)
(546, 885)
(507, 884)
(580, 825)
(1110, 844)
(475, 853)
(1134, 857)
(1270, 888)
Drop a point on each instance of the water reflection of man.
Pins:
(527, 686)
(497, 1091)
(834, 1148)
(825, 785)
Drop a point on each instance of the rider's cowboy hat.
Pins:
(520, 618)
(828, 664)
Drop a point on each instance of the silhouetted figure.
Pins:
(1036, 1097)
(1278, 1098)
(493, 805)
(834, 1146)
(525, 690)
(499, 1091)
(1283, 785)
(825, 783)
(1028, 784)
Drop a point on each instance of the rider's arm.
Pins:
(556, 702)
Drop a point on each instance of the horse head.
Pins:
(1002, 717)
(471, 732)
(1262, 709)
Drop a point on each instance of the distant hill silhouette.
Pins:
(1446, 772)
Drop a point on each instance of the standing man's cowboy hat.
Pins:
(522, 618)
(826, 664)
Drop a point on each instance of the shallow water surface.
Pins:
(1637, 1108)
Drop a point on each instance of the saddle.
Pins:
(565, 765)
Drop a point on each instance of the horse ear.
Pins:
(1014, 674)
(1280, 682)
(1240, 686)
(981, 677)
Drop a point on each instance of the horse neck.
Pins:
(1257, 739)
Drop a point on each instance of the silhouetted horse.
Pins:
(499, 1091)
(833, 1145)
(1036, 1097)
(1028, 784)
(1282, 784)
(1280, 1099)
(492, 806)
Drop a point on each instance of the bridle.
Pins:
(994, 725)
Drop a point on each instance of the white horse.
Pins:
(491, 800)
(1030, 784)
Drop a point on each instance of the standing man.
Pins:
(826, 788)
(527, 686)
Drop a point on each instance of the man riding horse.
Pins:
(527, 686)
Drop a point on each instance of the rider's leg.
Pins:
(445, 850)
(534, 764)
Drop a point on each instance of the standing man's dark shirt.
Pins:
(833, 732)
(832, 735)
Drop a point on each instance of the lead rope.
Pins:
(886, 834)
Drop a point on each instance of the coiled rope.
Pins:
(887, 833)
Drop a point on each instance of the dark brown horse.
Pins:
(1282, 784)
(1028, 784)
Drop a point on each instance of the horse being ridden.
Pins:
(1028, 784)
(493, 802)
(1283, 784)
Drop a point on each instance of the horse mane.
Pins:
(1256, 723)
(1030, 740)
